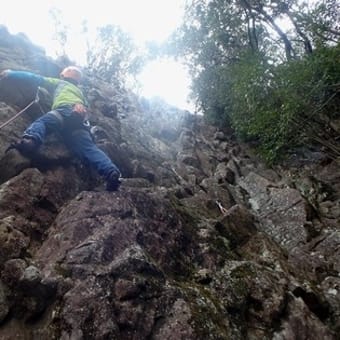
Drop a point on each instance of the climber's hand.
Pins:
(80, 109)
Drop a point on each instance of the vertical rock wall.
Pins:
(202, 241)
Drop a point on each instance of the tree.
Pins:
(263, 66)
(113, 55)
(60, 31)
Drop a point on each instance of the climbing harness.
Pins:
(36, 100)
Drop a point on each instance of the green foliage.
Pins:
(212, 88)
(113, 55)
(322, 22)
(276, 86)
(280, 106)
(60, 31)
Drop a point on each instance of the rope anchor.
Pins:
(36, 100)
(223, 210)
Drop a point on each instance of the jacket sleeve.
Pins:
(48, 83)
(35, 79)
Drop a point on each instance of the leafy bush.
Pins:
(283, 106)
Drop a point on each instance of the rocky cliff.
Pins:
(202, 241)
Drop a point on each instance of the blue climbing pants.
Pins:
(76, 137)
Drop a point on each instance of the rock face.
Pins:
(202, 241)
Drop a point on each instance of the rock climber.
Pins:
(67, 117)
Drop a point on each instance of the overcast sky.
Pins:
(145, 20)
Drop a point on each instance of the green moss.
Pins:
(243, 271)
(240, 278)
(63, 271)
(222, 246)
(188, 216)
(208, 316)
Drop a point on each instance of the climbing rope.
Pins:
(36, 100)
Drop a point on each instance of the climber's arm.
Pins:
(35, 79)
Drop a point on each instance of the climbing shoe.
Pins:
(26, 146)
(113, 181)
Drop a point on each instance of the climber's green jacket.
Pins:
(65, 93)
